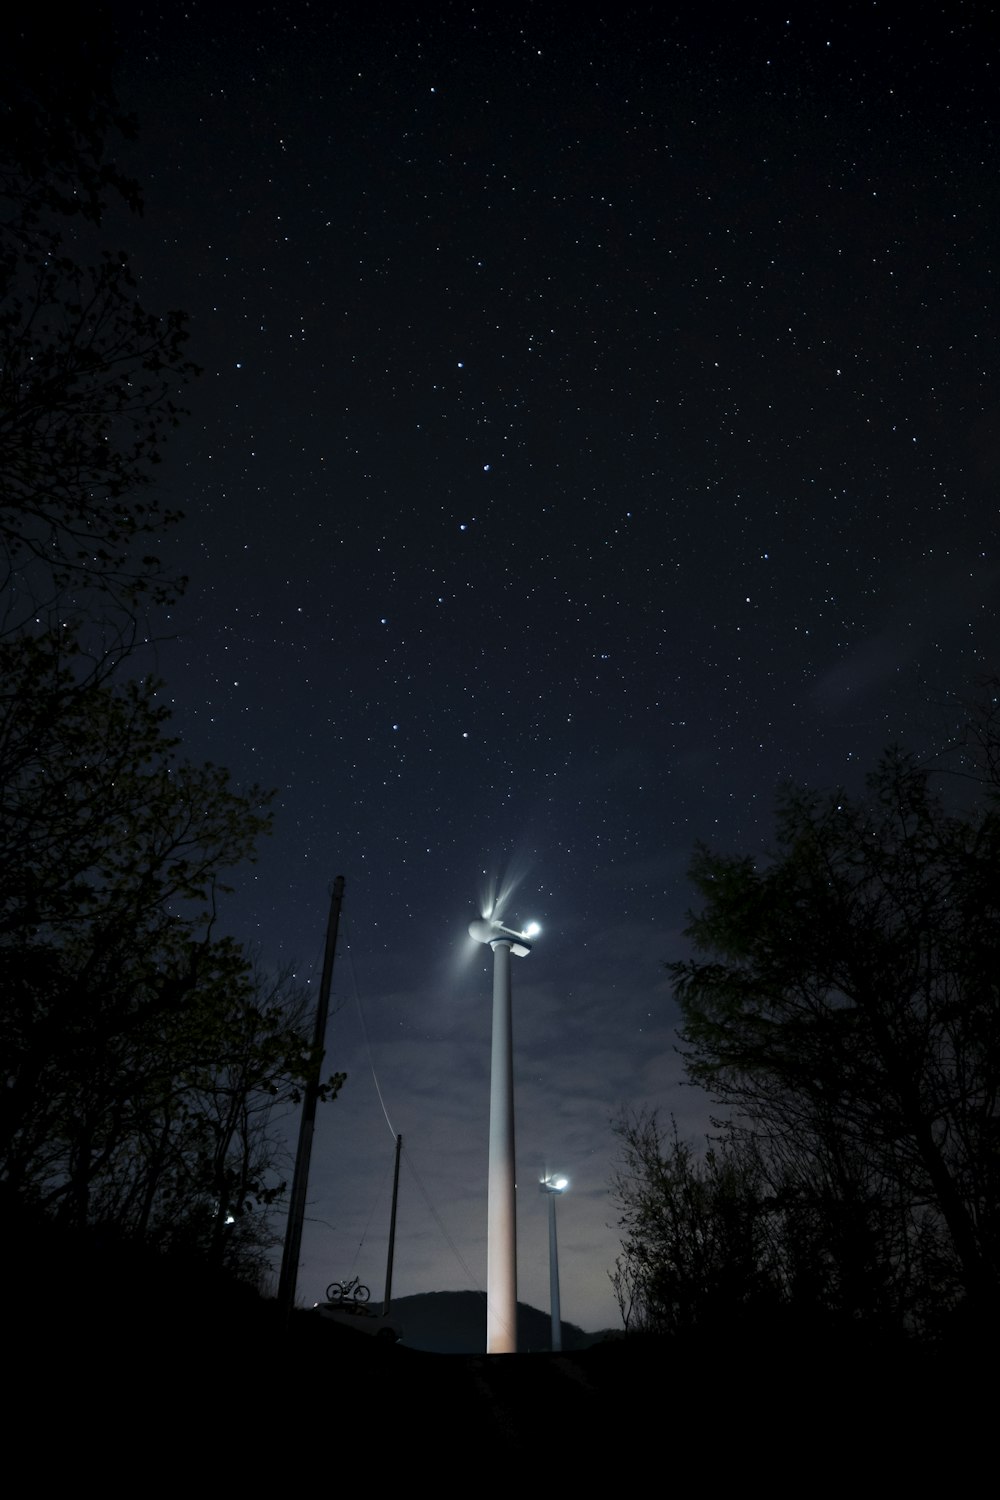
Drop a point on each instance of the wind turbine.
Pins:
(501, 1228)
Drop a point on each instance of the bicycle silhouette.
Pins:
(340, 1291)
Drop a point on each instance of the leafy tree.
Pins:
(141, 1053)
(199, 1164)
(846, 1008)
(89, 378)
(695, 1246)
(111, 856)
(743, 1234)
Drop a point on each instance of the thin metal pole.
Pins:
(307, 1124)
(554, 1277)
(392, 1231)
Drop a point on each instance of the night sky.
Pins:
(599, 424)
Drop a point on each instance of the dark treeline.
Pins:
(143, 1052)
(843, 1007)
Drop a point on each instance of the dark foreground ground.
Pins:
(201, 1400)
(124, 1385)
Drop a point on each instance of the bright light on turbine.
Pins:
(493, 931)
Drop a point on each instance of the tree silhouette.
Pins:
(696, 1245)
(89, 378)
(141, 1051)
(846, 1009)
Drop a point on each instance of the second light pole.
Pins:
(554, 1187)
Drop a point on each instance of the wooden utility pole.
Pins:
(392, 1232)
(307, 1124)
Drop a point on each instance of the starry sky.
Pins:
(599, 425)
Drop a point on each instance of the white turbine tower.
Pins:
(501, 1230)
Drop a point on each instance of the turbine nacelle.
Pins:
(490, 930)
